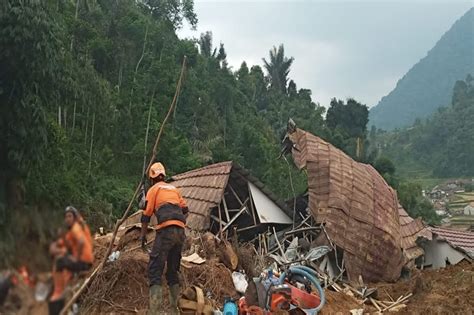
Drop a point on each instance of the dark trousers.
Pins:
(166, 250)
(73, 266)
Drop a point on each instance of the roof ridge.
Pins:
(207, 167)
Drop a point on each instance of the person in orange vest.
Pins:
(166, 203)
(72, 252)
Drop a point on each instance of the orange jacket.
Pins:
(78, 232)
(160, 194)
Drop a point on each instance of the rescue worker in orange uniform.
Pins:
(72, 252)
(166, 203)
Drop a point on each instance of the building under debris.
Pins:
(225, 198)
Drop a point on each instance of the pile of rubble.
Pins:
(347, 233)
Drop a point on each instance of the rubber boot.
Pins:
(174, 293)
(59, 284)
(156, 299)
(55, 307)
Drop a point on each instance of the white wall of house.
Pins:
(469, 210)
(438, 252)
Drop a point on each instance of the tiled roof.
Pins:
(463, 240)
(203, 189)
(410, 230)
(359, 208)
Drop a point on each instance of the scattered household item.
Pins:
(194, 258)
(240, 282)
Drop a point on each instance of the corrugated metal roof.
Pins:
(410, 230)
(463, 240)
(359, 208)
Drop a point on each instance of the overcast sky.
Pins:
(342, 49)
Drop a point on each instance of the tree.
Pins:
(173, 11)
(349, 122)
(278, 68)
(384, 166)
(410, 197)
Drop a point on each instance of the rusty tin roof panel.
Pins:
(359, 208)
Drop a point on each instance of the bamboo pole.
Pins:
(227, 216)
(125, 214)
(92, 143)
(147, 129)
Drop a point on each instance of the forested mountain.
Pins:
(428, 85)
(442, 145)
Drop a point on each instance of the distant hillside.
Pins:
(443, 145)
(428, 85)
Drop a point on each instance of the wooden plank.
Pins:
(217, 220)
(247, 228)
(244, 208)
(398, 302)
(226, 209)
(252, 208)
(235, 194)
(279, 245)
(220, 220)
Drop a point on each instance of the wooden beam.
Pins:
(217, 220)
(244, 208)
(252, 208)
(305, 229)
(235, 194)
(220, 220)
(226, 209)
(279, 245)
(247, 228)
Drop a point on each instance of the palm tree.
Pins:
(278, 68)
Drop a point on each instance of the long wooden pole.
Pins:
(125, 214)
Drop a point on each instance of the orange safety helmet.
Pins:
(156, 170)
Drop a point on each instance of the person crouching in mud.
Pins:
(72, 252)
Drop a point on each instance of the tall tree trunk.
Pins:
(120, 75)
(74, 118)
(87, 125)
(65, 118)
(59, 115)
(147, 129)
(92, 143)
(136, 68)
(75, 19)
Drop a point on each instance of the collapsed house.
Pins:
(359, 209)
(446, 246)
(225, 198)
(362, 216)
(411, 229)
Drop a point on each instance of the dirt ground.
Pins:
(444, 291)
(122, 287)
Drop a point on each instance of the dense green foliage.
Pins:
(443, 145)
(79, 82)
(410, 197)
(428, 85)
(348, 126)
(81, 79)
